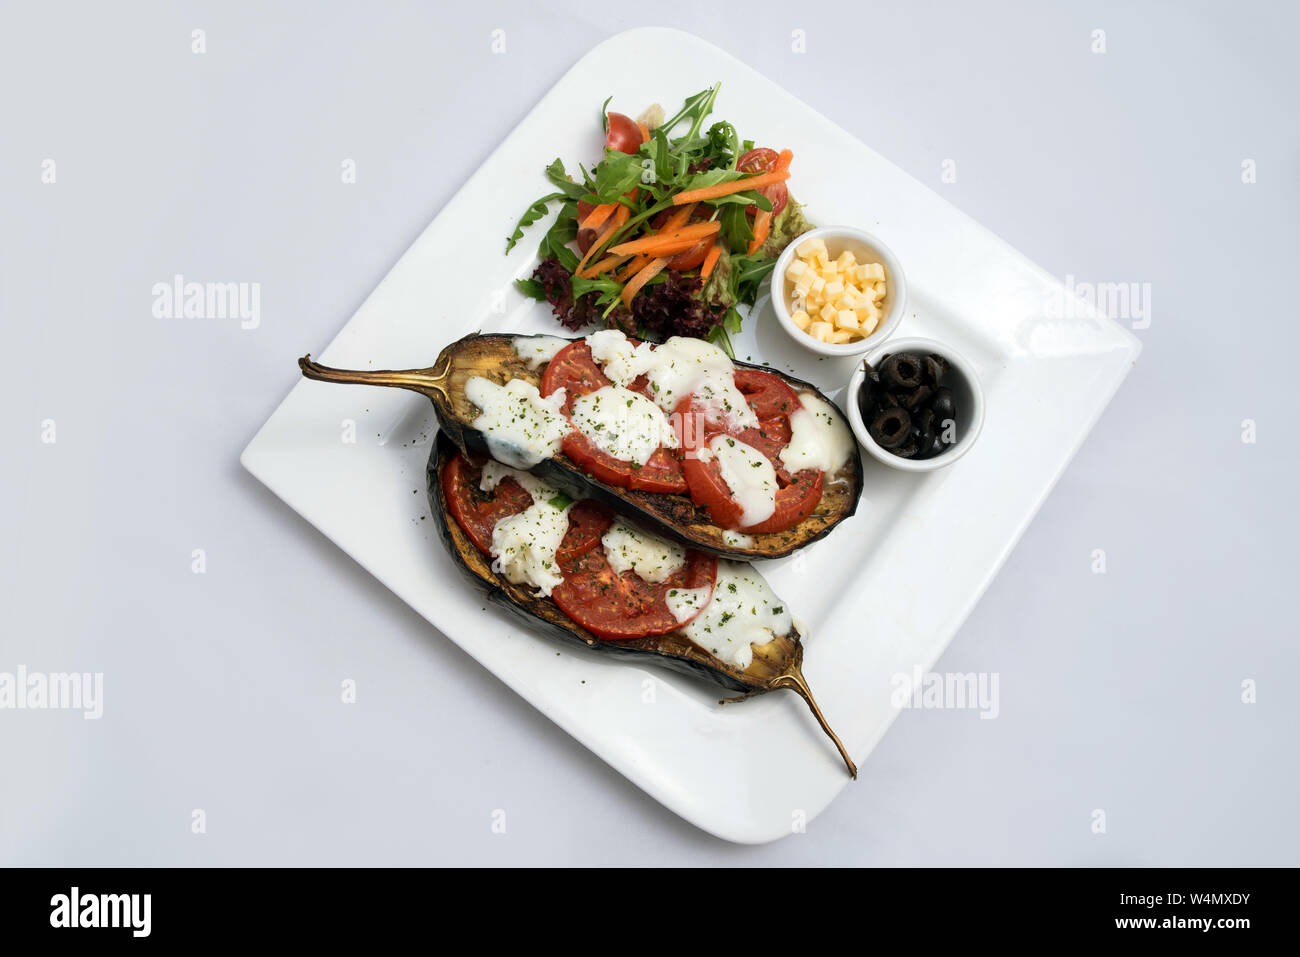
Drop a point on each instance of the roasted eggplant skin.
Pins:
(776, 665)
(540, 613)
(493, 356)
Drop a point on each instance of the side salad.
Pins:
(667, 234)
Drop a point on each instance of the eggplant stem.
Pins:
(427, 382)
(794, 680)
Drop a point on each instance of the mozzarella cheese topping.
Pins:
(748, 474)
(652, 558)
(524, 545)
(738, 612)
(684, 603)
(538, 350)
(676, 369)
(521, 426)
(623, 423)
(743, 612)
(819, 439)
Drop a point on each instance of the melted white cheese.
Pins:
(748, 474)
(521, 426)
(614, 354)
(524, 545)
(676, 369)
(737, 540)
(652, 558)
(819, 439)
(685, 603)
(743, 612)
(538, 350)
(623, 423)
(494, 472)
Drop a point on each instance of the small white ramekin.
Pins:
(868, 249)
(968, 396)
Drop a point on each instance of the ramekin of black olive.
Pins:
(915, 404)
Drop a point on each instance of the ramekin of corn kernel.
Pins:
(838, 291)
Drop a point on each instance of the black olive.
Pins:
(926, 420)
(931, 445)
(918, 397)
(890, 427)
(869, 391)
(889, 400)
(902, 371)
(866, 400)
(935, 368)
(943, 405)
(908, 449)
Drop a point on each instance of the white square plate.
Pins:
(871, 594)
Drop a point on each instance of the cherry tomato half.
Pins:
(622, 133)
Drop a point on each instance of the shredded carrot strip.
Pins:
(735, 186)
(783, 161)
(634, 267)
(615, 222)
(650, 270)
(710, 260)
(652, 244)
(762, 226)
(678, 218)
(610, 262)
(596, 218)
(645, 132)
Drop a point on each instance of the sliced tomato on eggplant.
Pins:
(574, 370)
(776, 665)
(674, 516)
(476, 511)
(618, 606)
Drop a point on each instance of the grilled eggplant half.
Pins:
(775, 665)
(495, 357)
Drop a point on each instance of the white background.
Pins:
(1119, 691)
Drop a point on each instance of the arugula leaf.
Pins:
(696, 107)
(747, 276)
(531, 288)
(718, 336)
(603, 286)
(531, 215)
(724, 144)
(735, 228)
(562, 232)
(750, 197)
(556, 174)
(615, 175)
